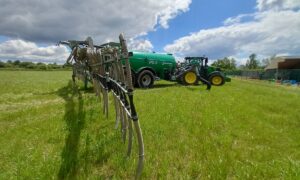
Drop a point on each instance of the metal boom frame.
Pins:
(107, 67)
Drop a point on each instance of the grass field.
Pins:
(243, 130)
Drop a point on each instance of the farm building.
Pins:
(284, 68)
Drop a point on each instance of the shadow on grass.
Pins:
(189, 87)
(76, 117)
(193, 88)
(62, 92)
(165, 85)
(89, 89)
(75, 120)
(199, 87)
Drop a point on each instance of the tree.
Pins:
(16, 63)
(29, 65)
(225, 63)
(2, 64)
(252, 62)
(41, 65)
(242, 66)
(54, 66)
(267, 61)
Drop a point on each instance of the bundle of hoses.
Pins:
(110, 70)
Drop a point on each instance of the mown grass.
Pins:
(51, 128)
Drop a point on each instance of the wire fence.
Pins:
(292, 75)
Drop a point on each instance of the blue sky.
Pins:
(30, 29)
(203, 14)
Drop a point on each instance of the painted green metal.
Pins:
(200, 65)
(148, 66)
(211, 69)
(197, 62)
(162, 65)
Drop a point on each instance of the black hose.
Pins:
(208, 84)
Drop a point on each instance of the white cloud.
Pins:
(29, 51)
(263, 5)
(140, 45)
(50, 21)
(266, 34)
(277, 4)
(171, 10)
(238, 19)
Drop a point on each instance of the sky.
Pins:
(29, 30)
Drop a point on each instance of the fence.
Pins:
(280, 74)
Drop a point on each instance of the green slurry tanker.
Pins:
(148, 67)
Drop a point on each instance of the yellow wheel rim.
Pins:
(217, 80)
(190, 77)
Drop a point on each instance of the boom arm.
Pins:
(102, 63)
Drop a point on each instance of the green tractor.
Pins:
(196, 68)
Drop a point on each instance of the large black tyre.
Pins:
(216, 79)
(145, 79)
(189, 78)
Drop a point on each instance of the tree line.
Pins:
(17, 64)
(252, 63)
(227, 64)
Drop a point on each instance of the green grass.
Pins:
(50, 128)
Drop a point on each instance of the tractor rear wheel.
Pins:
(216, 79)
(145, 79)
(190, 78)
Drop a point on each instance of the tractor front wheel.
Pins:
(216, 79)
(190, 78)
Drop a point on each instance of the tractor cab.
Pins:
(202, 61)
(199, 64)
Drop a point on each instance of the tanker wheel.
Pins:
(216, 79)
(145, 79)
(190, 78)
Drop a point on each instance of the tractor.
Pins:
(196, 68)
